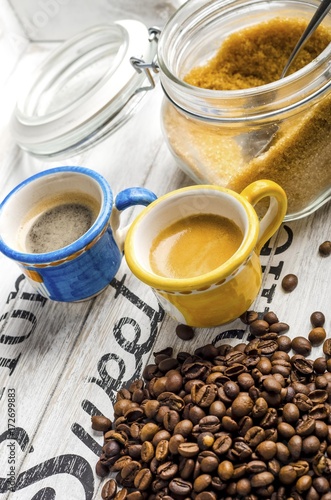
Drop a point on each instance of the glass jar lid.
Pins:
(84, 91)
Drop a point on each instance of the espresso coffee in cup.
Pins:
(57, 222)
(194, 245)
(198, 248)
(62, 227)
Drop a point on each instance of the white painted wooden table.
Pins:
(62, 363)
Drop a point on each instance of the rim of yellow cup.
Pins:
(205, 280)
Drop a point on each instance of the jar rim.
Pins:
(295, 90)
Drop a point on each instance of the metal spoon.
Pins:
(259, 141)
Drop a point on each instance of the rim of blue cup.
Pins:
(77, 245)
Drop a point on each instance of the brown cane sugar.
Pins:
(299, 157)
(256, 55)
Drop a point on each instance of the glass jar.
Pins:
(213, 134)
(85, 90)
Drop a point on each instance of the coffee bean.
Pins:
(319, 365)
(291, 413)
(245, 381)
(202, 482)
(262, 479)
(143, 479)
(151, 408)
(109, 490)
(244, 487)
(231, 389)
(208, 351)
(167, 470)
(168, 364)
(254, 436)
(121, 462)
(222, 444)
(325, 249)
(301, 345)
(303, 366)
(270, 317)
(267, 347)
(279, 327)
(205, 395)
(162, 450)
(284, 343)
(147, 451)
(303, 483)
(259, 327)
(321, 484)
(295, 446)
(187, 468)
(271, 384)
(287, 475)
(225, 470)
(305, 427)
(264, 365)
(122, 494)
(133, 414)
(195, 413)
(206, 495)
(184, 332)
(122, 405)
(180, 487)
(317, 318)
(170, 420)
(327, 347)
(209, 464)
(111, 448)
(289, 282)
(148, 431)
(134, 450)
(162, 434)
(174, 381)
(184, 427)
(188, 450)
(303, 402)
(101, 469)
(129, 471)
(248, 317)
(285, 430)
(135, 495)
(310, 445)
(318, 396)
(210, 423)
(266, 450)
(242, 405)
(317, 336)
(205, 440)
(100, 423)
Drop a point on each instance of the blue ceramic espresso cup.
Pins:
(62, 228)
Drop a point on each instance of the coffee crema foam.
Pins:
(194, 246)
(57, 222)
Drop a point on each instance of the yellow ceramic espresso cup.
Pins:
(224, 293)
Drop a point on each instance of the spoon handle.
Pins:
(315, 21)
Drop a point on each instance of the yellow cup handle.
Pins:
(271, 221)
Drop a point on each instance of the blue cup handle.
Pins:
(125, 199)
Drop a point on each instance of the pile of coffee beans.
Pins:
(246, 422)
